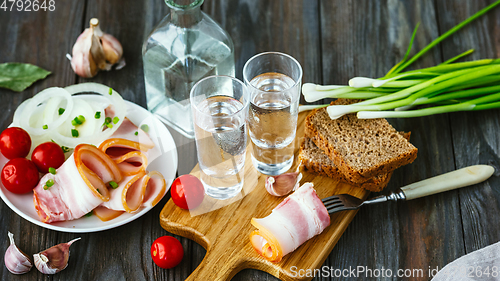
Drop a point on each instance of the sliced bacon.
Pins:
(132, 163)
(128, 195)
(125, 137)
(155, 189)
(295, 220)
(77, 188)
(106, 214)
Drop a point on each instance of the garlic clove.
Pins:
(95, 50)
(54, 259)
(113, 50)
(15, 260)
(283, 184)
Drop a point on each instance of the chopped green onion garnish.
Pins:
(136, 133)
(109, 125)
(45, 187)
(45, 127)
(145, 128)
(74, 133)
(74, 122)
(115, 120)
(89, 214)
(110, 91)
(49, 183)
(113, 184)
(65, 149)
(107, 120)
(52, 170)
(81, 118)
(97, 115)
(98, 191)
(61, 110)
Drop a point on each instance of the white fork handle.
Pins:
(452, 180)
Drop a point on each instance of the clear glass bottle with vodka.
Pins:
(187, 45)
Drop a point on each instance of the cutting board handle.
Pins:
(215, 268)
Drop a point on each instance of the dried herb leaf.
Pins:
(19, 76)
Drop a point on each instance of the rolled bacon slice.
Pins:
(79, 185)
(155, 189)
(136, 191)
(297, 219)
(125, 137)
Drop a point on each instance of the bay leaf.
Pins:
(19, 76)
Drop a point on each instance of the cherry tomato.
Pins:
(15, 143)
(187, 192)
(167, 252)
(46, 155)
(19, 175)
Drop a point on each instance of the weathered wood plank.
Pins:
(475, 135)
(291, 27)
(366, 38)
(42, 38)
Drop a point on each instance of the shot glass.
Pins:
(273, 80)
(220, 109)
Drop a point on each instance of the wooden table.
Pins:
(334, 40)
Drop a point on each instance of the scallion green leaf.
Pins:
(74, 133)
(97, 115)
(61, 110)
(52, 170)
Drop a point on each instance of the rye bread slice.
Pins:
(360, 148)
(315, 161)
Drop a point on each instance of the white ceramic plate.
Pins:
(163, 158)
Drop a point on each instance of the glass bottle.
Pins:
(186, 46)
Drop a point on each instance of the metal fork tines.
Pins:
(344, 202)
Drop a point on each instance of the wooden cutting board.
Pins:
(224, 232)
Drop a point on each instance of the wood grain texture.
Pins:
(366, 38)
(475, 135)
(333, 40)
(225, 232)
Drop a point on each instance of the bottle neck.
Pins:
(185, 13)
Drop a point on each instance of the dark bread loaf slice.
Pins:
(315, 161)
(360, 148)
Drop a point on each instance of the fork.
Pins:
(449, 181)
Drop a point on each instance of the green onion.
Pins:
(78, 120)
(113, 184)
(65, 149)
(446, 35)
(49, 183)
(45, 187)
(447, 87)
(74, 133)
(61, 110)
(98, 191)
(110, 91)
(52, 170)
(136, 133)
(45, 127)
(89, 214)
(97, 115)
(145, 128)
(109, 125)
(115, 120)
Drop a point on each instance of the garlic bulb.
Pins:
(283, 184)
(16, 261)
(54, 259)
(95, 50)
